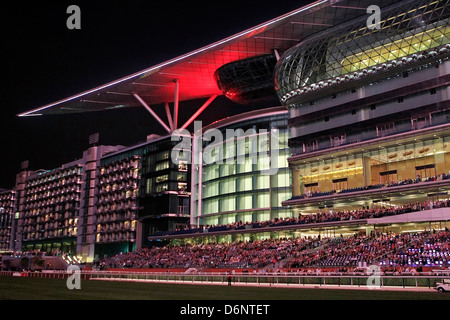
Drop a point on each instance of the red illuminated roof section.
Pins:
(195, 71)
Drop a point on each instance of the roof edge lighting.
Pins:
(142, 74)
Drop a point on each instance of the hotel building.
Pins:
(7, 213)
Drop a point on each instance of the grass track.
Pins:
(50, 289)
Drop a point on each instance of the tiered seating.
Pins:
(399, 250)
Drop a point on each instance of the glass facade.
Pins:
(419, 158)
(237, 189)
(409, 32)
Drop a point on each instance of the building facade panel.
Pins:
(117, 203)
(8, 209)
(238, 188)
(52, 210)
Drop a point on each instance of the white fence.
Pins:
(347, 280)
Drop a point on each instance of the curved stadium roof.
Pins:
(192, 74)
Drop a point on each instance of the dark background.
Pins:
(44, 62)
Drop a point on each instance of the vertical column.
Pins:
(196, 180)
(139, 234)
(296, 191)
(367, 172)
(17, 223)
(176, 103)
(200, 188)
(88, 219)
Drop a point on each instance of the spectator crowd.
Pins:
(406, 250)
(389, 184)
(387, 250)
(321, 217)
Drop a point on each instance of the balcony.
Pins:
(372, 135)
(377, 190)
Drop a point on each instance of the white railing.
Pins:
(403, 281)
(425, 280)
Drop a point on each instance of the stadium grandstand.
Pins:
(406, 252)
(355, 120)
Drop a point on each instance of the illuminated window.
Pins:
(162, 166)
(149, 187)
(419, 42)
(228, 204)
(246, 202)
(162, 178)
(263, 200)
(162, 156)
(183, 166)
(162, 188)
(246, 183)
(182, 187)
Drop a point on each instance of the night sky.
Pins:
(44, 61)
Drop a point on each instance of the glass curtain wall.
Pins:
(237, 190)
(420, 159)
